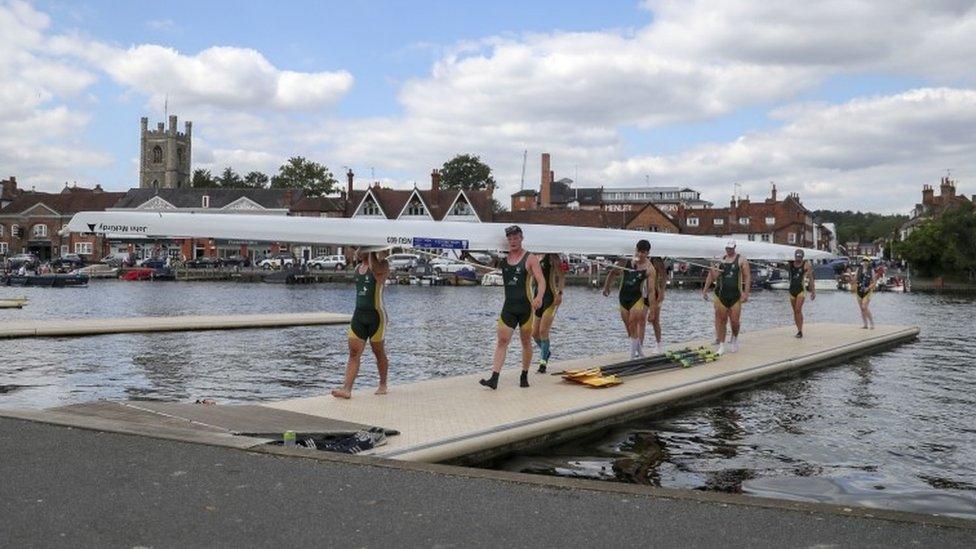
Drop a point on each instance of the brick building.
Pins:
(649, 218)
(932, 206)
(436, 203)
(784, 221)
(32, 222)
(8, 191)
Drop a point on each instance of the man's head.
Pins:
(643, 248)
(513, 234)
(730, 247)
(798, 255)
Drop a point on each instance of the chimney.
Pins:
(927, 194)
(545, 185)
(435, 181)
(349, 177)
(98, 188)
(948, 188)
(772, 199)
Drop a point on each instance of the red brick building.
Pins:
(649, 218)
(32, 223)
(8, 191)
(784, 221)
(932, 206)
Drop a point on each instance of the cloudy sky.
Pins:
(854, 105)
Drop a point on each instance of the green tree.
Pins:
(313, 178)
(256, 180)
(202, 179)
(860, 226)
(229, 179)
(466, 171)
(945, 246)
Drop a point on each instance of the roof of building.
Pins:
(578, 218)
(320, 204)
(64, 203)
(188, 197)
(392, 201)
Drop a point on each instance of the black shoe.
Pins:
(491, 382)
(524, 379)
(542, 368)
(799, 334)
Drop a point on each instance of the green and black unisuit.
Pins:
(369, 319)
(517, 309)
(631, 287)
(797, 274)
(549, 297)
(864, 277)
(728, 287)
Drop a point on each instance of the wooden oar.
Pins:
(572, 375)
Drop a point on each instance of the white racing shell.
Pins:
(417, 234)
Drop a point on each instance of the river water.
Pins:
(892, 430)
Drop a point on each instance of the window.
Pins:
(157, 155)
(719, 222)
(370, 208)
(752, 238)
(770, 220)
(765, 237)
(1, 230)
(743, 221)
(39, 231)
(416, 208)
(155, 183)
(3, 248)
(83, 248)
(15, 231)
(205, 201)
(64, 250)
(461, 208)
(692, 221)
(179, 156)
(791, 237)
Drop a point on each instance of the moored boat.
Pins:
(46, 280)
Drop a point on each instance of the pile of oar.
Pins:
(608, 376)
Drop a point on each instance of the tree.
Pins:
(312, 177)
(202, 179)
(943, 246)
(468, 172)
(256, 180)
(229, 179)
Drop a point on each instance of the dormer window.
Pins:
(461, 208)
(719, 222)
(205, 201)
(39, 231)
(770, 220)
(692, 221)
(370, 208)
(416, 207)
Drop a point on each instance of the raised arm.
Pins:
(378, 265)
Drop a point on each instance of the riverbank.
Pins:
(942, 284)
(78, 487)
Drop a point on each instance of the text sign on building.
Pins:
(442, 243)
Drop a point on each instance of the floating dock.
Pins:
(101, 326)
(457, 420)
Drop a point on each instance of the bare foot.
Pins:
(381, 390)
(341, 393)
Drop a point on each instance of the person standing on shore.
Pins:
(801, 278)
(368, 321)
(634, 286)
(517, 268)
(552, 271)
(732, 283)
(863, 282)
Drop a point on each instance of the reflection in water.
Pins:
(891, 430)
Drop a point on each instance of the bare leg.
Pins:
(655, 321)
(642, 325)
(356, 347)
(720, 319)
(734, 314)
(798, 312)
(861, 308)
(869, 318)
(635, 324)
(526, 336)
(382, 364)
(625, 317)
(504, 337)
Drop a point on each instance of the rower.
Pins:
(863, 283)
(801, 275)
(519, 303)
(653, 312)
(732, 283)
(368, 321)
(633, 287)
(551, 265)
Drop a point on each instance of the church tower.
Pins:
(164, 156)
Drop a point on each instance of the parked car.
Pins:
(337, 262)
(277, 261)
(403, 262)
(236, 261)
(445, 264)
(119, 259)
(153, 262)
(203, 263)
(68, 262)
(30, 260)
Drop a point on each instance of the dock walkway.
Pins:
(454, 419)
(100, 326)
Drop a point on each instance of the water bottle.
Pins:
(289, 438)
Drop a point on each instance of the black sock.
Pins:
(524, 379)
(490, 382)
(542, 368)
